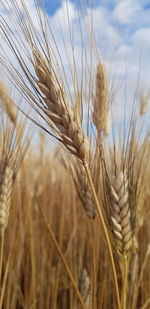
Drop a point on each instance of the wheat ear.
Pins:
(83, 188)
(119, 216)
(6, 182)
(100, 106)
(120, 213)
(58, 110)
(144, 101)
(7, 103)
(66, 121)
(85, 286)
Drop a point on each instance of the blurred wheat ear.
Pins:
(101, 115)
(13, 148)
(144, 101)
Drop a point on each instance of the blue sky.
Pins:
(52, 6)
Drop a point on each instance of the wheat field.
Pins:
(74, 214)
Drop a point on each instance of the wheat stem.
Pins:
(52, 236)
(1, 253)
(125, 282)
(94, 266)
(4, 281)
(135, 296)
(32, 257)
(146, 304)
(105, 234)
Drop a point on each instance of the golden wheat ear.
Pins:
(101, 113)
(144, 102)
(6, 183)
(75, 167)
(61, 115)
(14, 144)
(45, 90)
(11, 158)
(117, 207)
(85, 287)
(7, 103)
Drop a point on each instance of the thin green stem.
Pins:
(105, 234)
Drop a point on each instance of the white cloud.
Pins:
(64, 15)
(9, 5)
(141, 38)
(125, 10)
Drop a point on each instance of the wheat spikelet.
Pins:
(58, 110)
(100, 108)
(120, 214)
(6, 184)
(7, 103)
